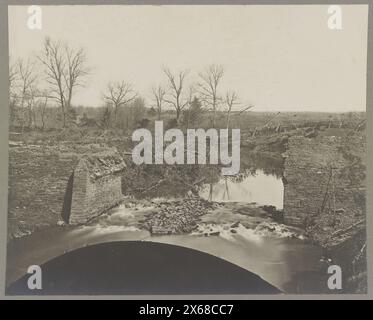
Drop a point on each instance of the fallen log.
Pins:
(154, 186)
(341, 231)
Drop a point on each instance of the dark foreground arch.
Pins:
(139, 267)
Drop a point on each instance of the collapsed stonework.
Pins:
(324, 192)
(324, 180)
(94, 187)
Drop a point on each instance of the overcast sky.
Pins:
(276, 57)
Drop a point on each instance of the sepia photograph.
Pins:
(187, 149)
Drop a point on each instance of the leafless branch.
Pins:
(159, 93)
(176, 95)
(118, 94)
(231, 99)
(208, 87)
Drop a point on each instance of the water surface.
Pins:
(291, 265)
(258, 187)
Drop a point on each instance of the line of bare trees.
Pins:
(203, 96)
(177, 92)
(54, 76)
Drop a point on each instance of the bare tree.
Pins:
(104, 121)
(27, 78)
(137, 112)
(55, 66)
(158, 97)
(42, 108)
(13, 77)
(231, 99)
(31, 105)
(191, 93)
(192, 111)
(27, 90)
(118, 94)
(13, 74)
(76, 70)
(208, 88)
(176, 95)
(64, 68)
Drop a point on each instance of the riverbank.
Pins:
(39, 175)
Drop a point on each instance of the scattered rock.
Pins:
(235, 225)
(178, 216)
(277, 230)
(61, 223)
(340, 211)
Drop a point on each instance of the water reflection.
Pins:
(257, 187)
(269, 163)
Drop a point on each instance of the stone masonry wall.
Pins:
(91, 197)
(319, 179)
(38, 182)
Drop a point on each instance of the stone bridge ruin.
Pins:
(324, 179)
(93, 187)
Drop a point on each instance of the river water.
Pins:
(260, 188)
(281, 257)
(291, 265)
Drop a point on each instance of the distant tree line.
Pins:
(42, 88)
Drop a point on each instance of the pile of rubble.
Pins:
(178, 216)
